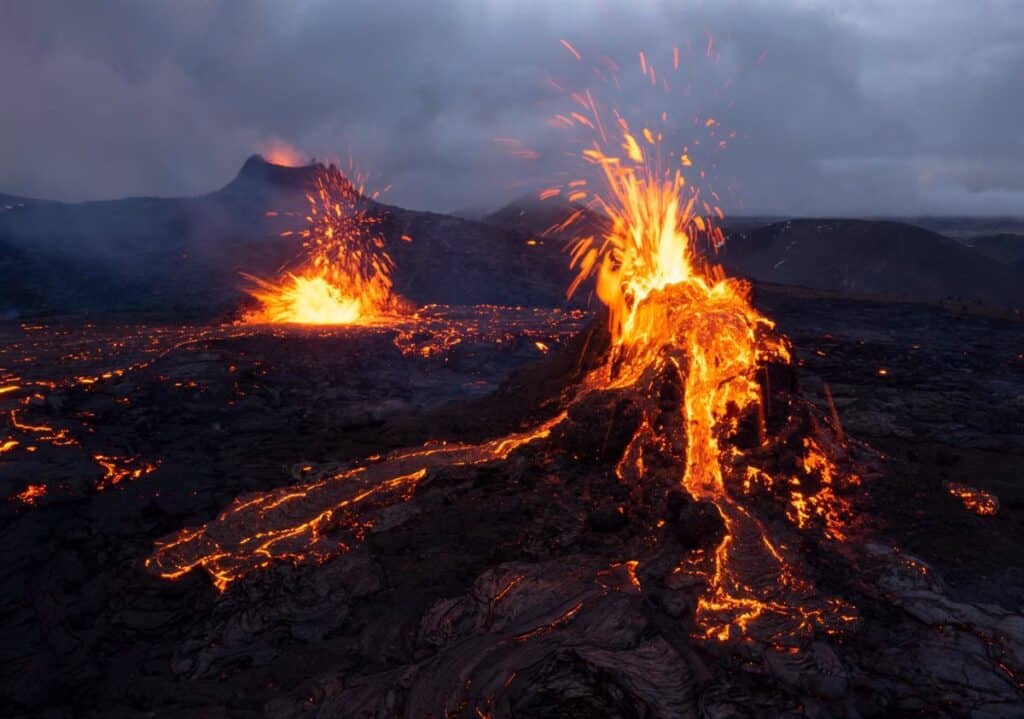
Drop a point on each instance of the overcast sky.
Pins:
(839, 107)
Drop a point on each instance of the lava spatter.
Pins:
(345, 277)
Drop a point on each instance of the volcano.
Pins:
(183, 256)
(488, 551)
(673, 529)
(402, 474)
(872, 258)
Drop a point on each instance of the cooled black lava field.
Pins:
(512, 585)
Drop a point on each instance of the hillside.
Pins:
(185, 254)
(861, 257)
(1004, 247)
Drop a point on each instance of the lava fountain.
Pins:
(672, 311)
(738, 529)
(346, 277)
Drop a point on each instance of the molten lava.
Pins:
(30, 495)
(687, 347)
(975, 500)
(301, 523)
(304, 299)
(346, 277)
(673, 313)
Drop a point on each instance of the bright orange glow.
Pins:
(347, 275)
(308, 300)
(278, 152)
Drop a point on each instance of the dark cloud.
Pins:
(857, 107)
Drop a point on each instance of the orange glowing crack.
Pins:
(671, 308)
(619, 571)
(31, 494)
(555, 623)
(119, 469)
(45, 433)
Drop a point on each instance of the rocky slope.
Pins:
(185, 254)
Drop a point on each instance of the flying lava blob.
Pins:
(346, 275)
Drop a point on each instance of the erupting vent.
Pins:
(688, 351)
(346, 277)
(675, 315)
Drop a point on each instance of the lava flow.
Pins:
(302, 523)
(676, 319)
(688, 349)
(346, 277)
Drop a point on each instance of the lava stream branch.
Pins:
(313, 522)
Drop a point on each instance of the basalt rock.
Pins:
(486, 591)
(694, 523)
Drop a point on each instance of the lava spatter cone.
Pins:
(344, 276)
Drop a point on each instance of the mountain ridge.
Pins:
(186, 254)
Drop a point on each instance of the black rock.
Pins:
(607, 519)
(695, 523)
(602, 425)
